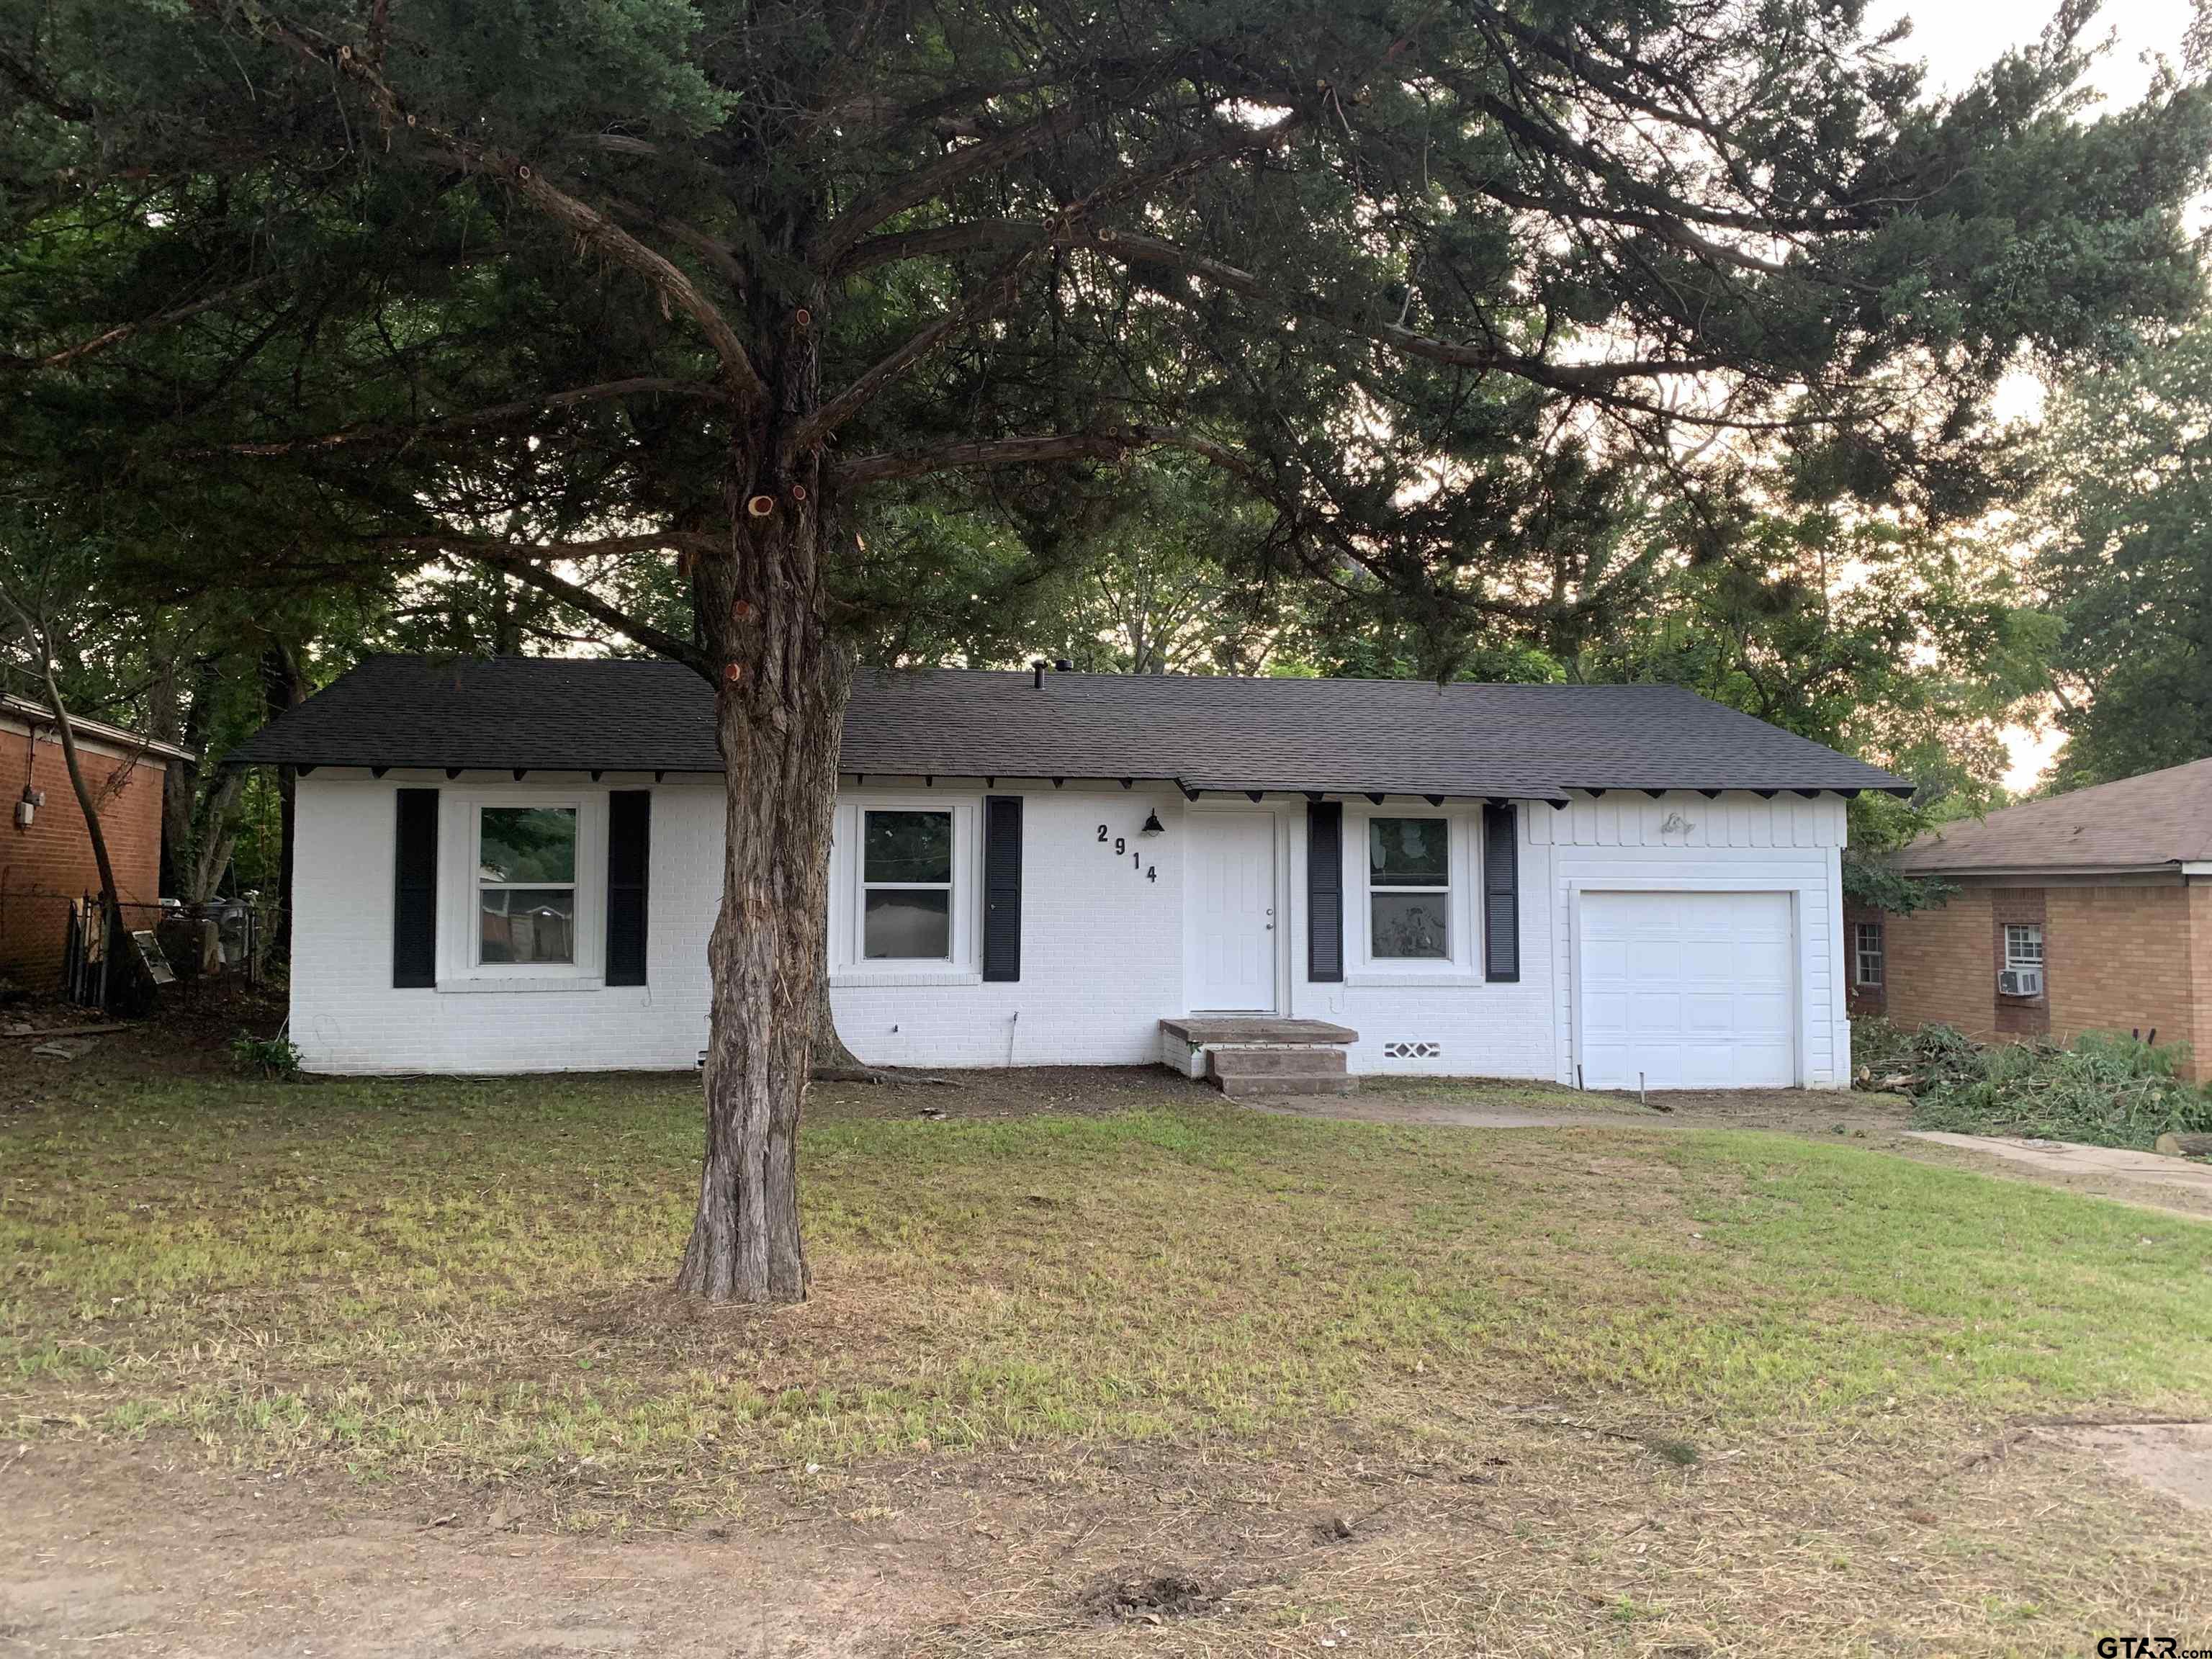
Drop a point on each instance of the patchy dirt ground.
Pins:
(191, 1038)
(1555, 1537)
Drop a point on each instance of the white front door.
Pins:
(1229, 913)
(1688, 991)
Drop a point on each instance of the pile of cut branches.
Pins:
(2104, 1089)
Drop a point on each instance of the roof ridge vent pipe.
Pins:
(1036, 674)
(1064, 666)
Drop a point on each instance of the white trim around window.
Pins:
(1461, 962)
(2023, 942)
(459, 924)
(1868, 955)
(849, 962)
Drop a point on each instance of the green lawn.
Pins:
(458, 1279)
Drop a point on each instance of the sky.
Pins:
(1956, 38)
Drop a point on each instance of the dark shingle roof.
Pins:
(1346, 737)
(2146, 823)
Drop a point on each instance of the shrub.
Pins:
(270, 1057)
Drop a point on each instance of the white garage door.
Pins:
(1693, 990)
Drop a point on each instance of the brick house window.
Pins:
(2023, 946)
(1866, 954)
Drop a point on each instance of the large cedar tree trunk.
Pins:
(783, 678)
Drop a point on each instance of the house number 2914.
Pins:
(1152, 871)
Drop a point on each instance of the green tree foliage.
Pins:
(2124, 527)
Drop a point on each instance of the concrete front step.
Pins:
(1206, 1030)
(1255, 1054)
(1274, 1062)
(1279, 1072)
(1253, 1085)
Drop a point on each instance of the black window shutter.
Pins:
(1325, 890)
(1501, 895)
(1002, 887)
(415, 894)
(629, 862)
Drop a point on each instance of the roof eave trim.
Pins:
(2162, 867)
(35, 715)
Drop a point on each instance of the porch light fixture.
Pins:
(1152, 825)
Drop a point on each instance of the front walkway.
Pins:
(2068, 1160)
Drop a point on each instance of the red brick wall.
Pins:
(1941, 968)
(42, 868)
(2116, 958)
(2122, 960)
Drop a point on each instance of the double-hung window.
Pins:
(2023, 946)
(906, 885)
(526, 885)
(1409, 899)
(1866, 954)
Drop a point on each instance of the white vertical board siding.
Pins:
(1683, 841)
(347, 1017)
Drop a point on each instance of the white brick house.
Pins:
(1600, 885)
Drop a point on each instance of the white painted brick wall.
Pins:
(1102, 947)
(346, 1017)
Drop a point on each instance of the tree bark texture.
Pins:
(782, 677)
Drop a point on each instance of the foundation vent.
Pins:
(1412, 1051)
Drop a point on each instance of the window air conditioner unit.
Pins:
(2020, 983)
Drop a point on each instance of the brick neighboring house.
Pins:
(44, 867)
(2098, 904)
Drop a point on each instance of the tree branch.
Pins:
(497, 412)
(940, 176)
(1030, 450)
(1069, 224)
(592, 228)
(987, 452)
(544, 552)
(122, 332)
(972, 236)
(1591, 377)
(527, 564)
(997, 290)
(35, 86)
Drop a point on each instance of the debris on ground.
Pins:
(2104, 1089)
(67, 1047)
(1151, 1600)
